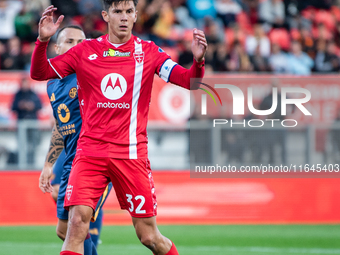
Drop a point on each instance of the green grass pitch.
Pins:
(189, 239)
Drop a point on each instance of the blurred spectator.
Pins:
(321, 32)
(199, 9)
(324, 4)
(227, 11)
(66, 7)
(89, 6)
(213, 31)
(326, 60)
(258, 41)
(275, 136)
(8, 12)
(220, 59)
(2, 51)
(307, 42)
(36, 6)
(337, 35)
(278, 60)
(185, 58)
(27, 104)
(272, 13)
(259, 62)
(150, 15)
(298, 61)
(251, 7)
(235, 34)
(161, 30)
(238, 60)
(182, 15)
(12, 59)
(91, 22)
(26, 24)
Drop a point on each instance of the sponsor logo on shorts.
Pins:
(69, 191)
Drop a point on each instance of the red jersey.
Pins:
(114, 90)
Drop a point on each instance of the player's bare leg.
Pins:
(78, 228)
(55, 192)
(149, 235)
(61, 229)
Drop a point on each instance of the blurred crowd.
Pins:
(278, 36)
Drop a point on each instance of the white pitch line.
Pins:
(287, 250)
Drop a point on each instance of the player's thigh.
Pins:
(87, 182)
(134, 186)
(101, 202)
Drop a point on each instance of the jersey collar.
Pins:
(125, 45)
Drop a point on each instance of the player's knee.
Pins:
(61, 234)
(148, 240)
(77, 221)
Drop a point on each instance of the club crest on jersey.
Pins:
(115, 53)
(139, 57)
(69, 191)
(73, 92)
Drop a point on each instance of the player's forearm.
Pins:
(40, 68)
(181, 76)
(56, 146)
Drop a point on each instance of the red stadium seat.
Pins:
(280, 36)
(295, 34)
(244, 22)
(336, 12)
(325, 18)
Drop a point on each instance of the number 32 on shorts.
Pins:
(139, 207)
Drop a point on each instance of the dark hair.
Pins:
(108, 3)
(69, 26)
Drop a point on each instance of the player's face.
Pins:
(68, 38)
(120, 19)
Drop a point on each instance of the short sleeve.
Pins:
(66, 63)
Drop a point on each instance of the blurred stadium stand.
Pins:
(242, 38)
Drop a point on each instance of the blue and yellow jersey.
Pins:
(64, 101)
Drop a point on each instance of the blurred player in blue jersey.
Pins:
(64, 100)
(95, 227)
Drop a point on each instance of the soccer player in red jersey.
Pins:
(115, 75)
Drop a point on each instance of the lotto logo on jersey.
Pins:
(115, 53)
(69, 191)
(113, 86)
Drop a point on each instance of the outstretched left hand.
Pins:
(199, 45)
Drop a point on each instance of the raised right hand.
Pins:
(47, 28)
